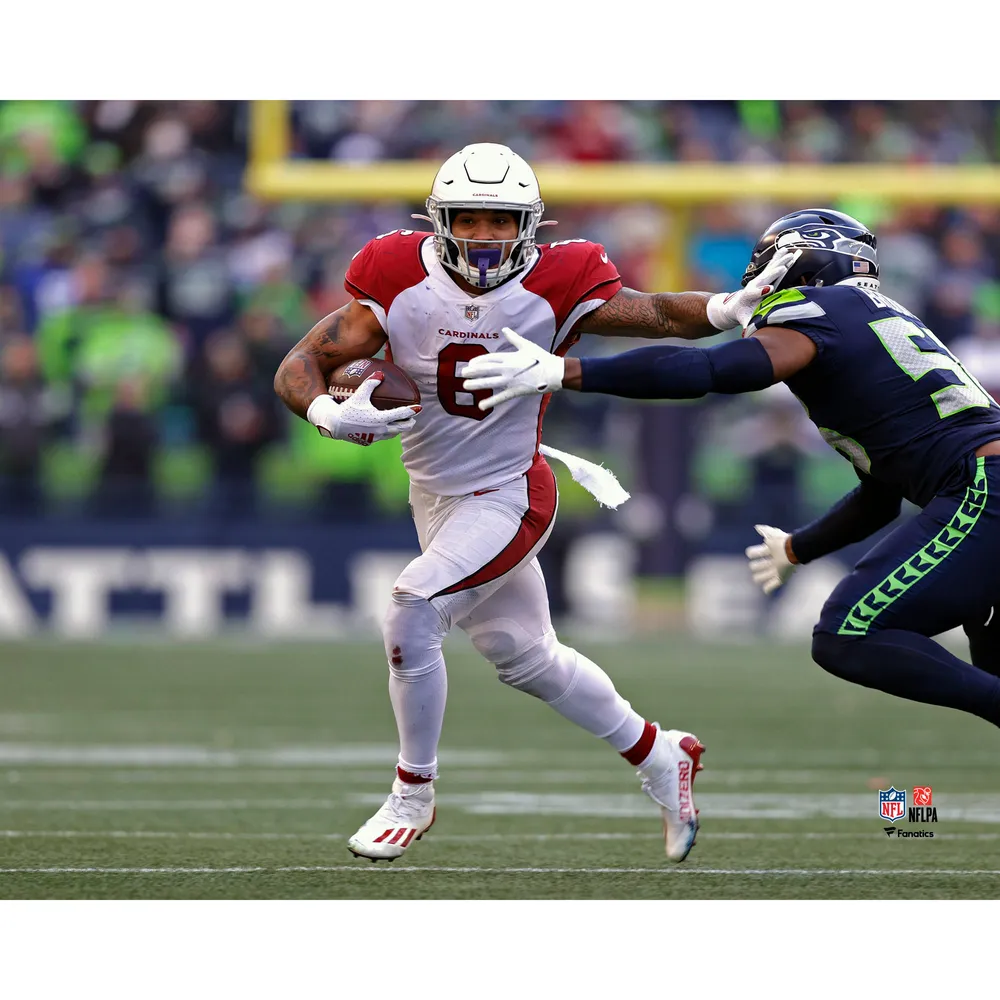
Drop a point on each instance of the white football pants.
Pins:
(478, 570)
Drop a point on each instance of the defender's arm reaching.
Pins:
(663, 372)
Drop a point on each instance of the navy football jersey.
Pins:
(883, 390)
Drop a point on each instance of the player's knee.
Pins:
(840, 655)
(524, 660)
(546, 670)
(523, 668)
(411, 627)
(502, 640)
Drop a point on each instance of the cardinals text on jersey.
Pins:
(434, 328)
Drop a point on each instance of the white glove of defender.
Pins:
(729, 309)
(357, 420)
(526, 371)
(769, 563)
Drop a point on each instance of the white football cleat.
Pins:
(407, 815)
(668, 779)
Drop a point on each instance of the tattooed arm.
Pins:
(350, 333)
(660, 314)
(688, 315)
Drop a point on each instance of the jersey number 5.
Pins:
(917, 351)
(450, 382)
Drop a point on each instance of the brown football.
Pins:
(396, 389)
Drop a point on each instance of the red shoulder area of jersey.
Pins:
(569, 272)
(386, 266)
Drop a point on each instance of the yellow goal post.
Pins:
(272, 175)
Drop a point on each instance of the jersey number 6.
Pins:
(449, 382)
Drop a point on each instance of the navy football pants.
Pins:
(939, 570)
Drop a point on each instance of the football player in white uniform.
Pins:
(483, 497)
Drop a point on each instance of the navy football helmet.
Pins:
(834, 247)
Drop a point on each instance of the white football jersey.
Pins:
(434, 328)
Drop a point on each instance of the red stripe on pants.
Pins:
(535, 522)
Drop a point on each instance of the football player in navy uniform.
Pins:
(892, 399)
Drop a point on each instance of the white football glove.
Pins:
(729, 309)
(525, 371)
(770, 566)
(356, 419)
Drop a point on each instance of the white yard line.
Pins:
(166, 805)
(38, 773)
(187, 755)
(325, 776)
(951, 807)
(762, 766)
(389, 868)
(967, 807)
(457, 838)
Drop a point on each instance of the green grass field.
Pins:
(238, 770)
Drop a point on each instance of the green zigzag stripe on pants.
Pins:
(899, 581)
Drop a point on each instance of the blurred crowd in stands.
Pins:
(146, 299)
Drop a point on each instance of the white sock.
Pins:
(418, 681)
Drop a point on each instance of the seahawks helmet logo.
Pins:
(818, 238)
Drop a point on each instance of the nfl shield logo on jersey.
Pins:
(472, 313)
(892, 804)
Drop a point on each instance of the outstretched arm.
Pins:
(667, 372)
(664, 372)
(659, 314)
(688, 315)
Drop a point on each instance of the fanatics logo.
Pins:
(472, 313)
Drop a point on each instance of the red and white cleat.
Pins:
(668, 779)
(407, 815)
